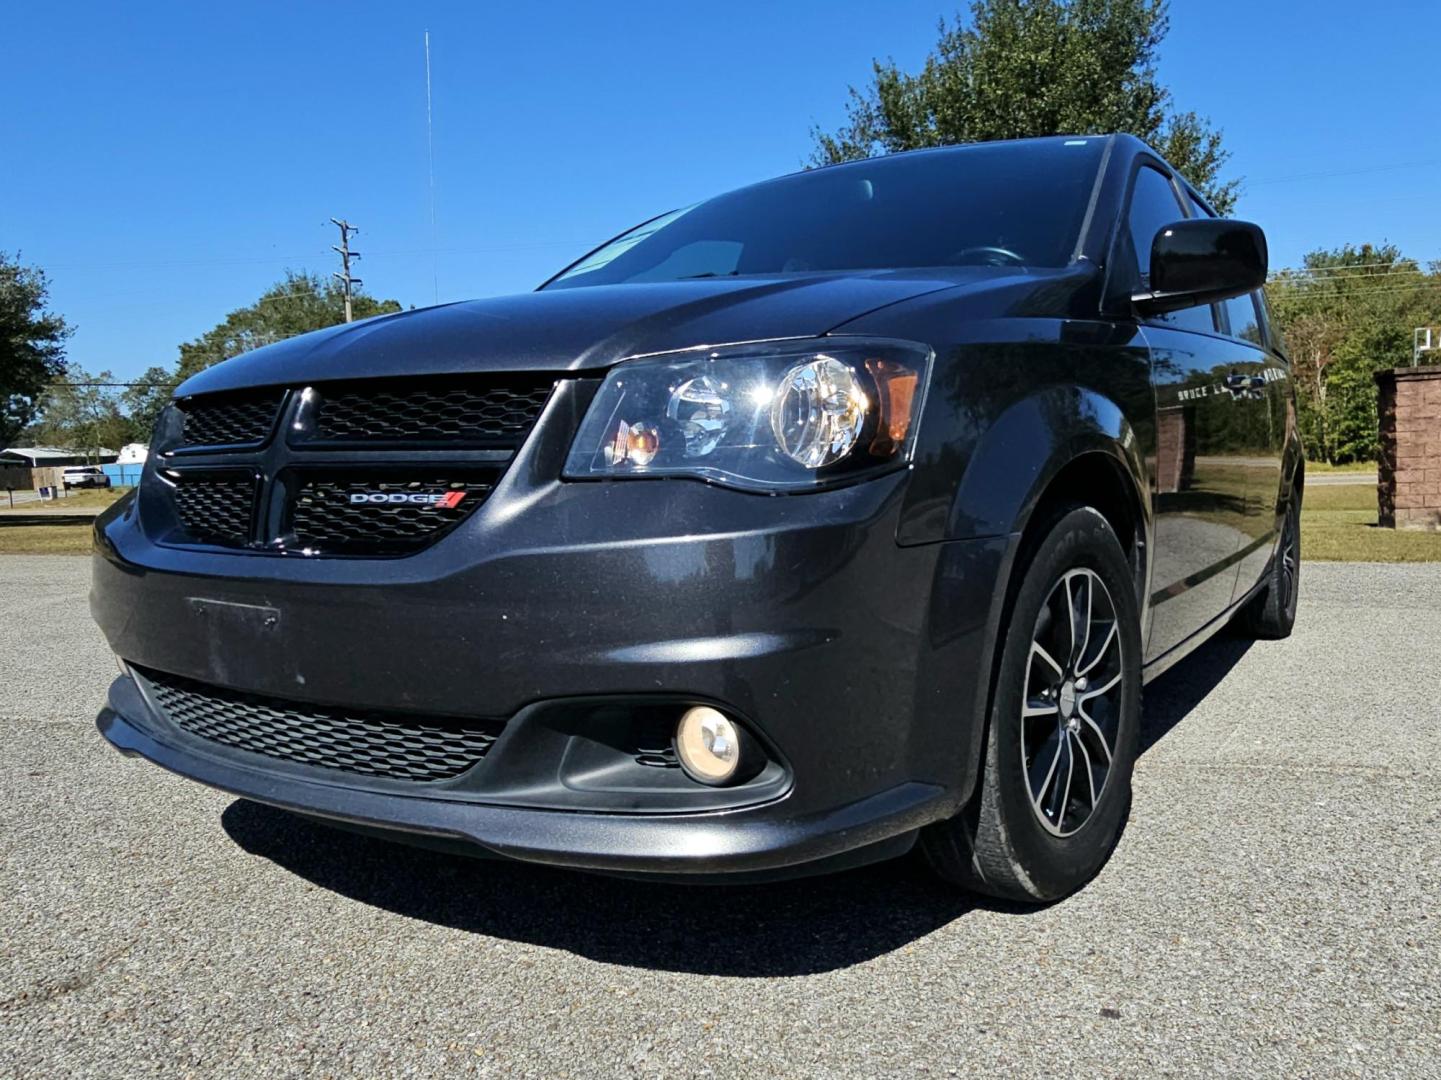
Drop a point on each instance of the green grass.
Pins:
(18, 539)
(1338, 524)
(1314, 467)
(44, 539)
(77, 500)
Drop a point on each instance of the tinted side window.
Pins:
(1242, 317)
(1153, 207)
(1268, 325)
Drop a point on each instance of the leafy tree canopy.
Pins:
(300, 303)
(143, 401)
(32, 345)
(79, 413)
(1346, 314)
(1021, 68)
(67, 409)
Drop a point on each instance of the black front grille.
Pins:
(371, 468)
(230, 419)
(396, 746)
(216, 508)
(439, 413)
(389, 515)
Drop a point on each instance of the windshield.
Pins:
(991, 204)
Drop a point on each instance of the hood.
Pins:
(584, 329)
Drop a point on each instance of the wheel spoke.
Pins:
(1058, 804)
(1073, 651)
(1038, 790)
(1111, 635)
(1030, 712)
(1037, 649)
(1086, 641)
(1098, 691)
(1090, 772)
(1100, 735)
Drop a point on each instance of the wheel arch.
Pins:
(1063, 444)
(1067, 444)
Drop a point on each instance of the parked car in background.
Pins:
(840, 514)
(84, 476)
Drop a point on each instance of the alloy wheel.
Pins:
(1071, 707)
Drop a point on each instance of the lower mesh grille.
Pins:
(216, 508)
(392, 745)
(356, 514)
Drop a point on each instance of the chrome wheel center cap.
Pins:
(1067, 699)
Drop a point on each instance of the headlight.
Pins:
(777, 416)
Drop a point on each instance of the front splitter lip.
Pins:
(756, 840)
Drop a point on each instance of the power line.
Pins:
(162, 264)
(1343, 266)
(1349, 294)
(1327, 173)
(1301, 277)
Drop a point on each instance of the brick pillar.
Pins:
(1408, 490)
(1175, 448)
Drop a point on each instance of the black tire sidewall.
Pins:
(1053, 864)
(1293, 597)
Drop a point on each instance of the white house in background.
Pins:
(39, 457)
(133, 454)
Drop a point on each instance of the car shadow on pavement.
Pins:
(1172, 697)
(785, 928)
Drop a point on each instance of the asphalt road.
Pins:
(1339, 479)
(1272, 910)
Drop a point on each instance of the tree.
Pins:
(78, 412)
(144, 399)
(1346, 314)
(300, 303)
(1034, 67)
(32, 344)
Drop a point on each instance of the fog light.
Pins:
(708, 745)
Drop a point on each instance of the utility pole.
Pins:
(349, 283)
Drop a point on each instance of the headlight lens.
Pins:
(776, 416)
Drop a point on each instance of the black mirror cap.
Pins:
(1203, 261)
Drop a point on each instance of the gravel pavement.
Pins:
(1274, 908)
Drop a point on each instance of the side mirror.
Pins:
(1203, 261)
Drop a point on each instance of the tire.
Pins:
(1079, 708)
(1271, 614)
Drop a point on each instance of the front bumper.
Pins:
(753, 842)
(861, 665)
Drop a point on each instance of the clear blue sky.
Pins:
(166, 163)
